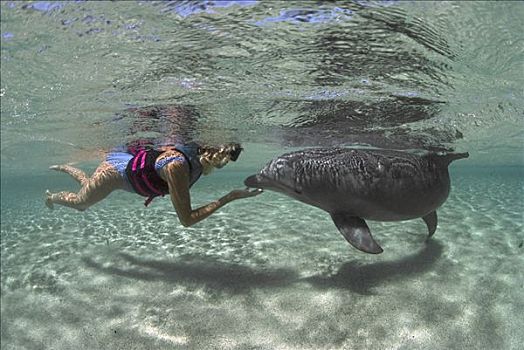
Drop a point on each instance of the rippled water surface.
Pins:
(80, 77)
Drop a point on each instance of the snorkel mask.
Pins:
(235, 152)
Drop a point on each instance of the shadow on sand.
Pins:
(212, 273)
(362, 278)
(236, 278)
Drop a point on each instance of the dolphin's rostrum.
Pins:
(358, 184)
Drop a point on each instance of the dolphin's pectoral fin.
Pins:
(356, 232)
(431, 222)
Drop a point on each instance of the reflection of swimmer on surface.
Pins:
(174, 122)
(153, 172)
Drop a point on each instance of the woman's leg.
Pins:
(105, 180)
(77, 174)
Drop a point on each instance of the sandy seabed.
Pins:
(263, 273)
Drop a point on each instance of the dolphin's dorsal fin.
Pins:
(356, 232)
(431, 221)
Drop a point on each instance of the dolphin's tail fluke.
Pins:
(455, 156)
(447, 158)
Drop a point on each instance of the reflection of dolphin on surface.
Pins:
(357, 184)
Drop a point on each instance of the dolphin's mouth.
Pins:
(262, 181)
(265, 182)
(253, 181)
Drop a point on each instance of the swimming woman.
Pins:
(153, 172)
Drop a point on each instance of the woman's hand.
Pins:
(245, 193)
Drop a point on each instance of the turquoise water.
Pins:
(267, 272)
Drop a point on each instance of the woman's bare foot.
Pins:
(48, 201)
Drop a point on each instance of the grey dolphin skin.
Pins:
(354, 185)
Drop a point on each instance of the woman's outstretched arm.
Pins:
(177, 176)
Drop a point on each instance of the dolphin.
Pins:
(354, 185)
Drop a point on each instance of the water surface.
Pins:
(268, 272)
